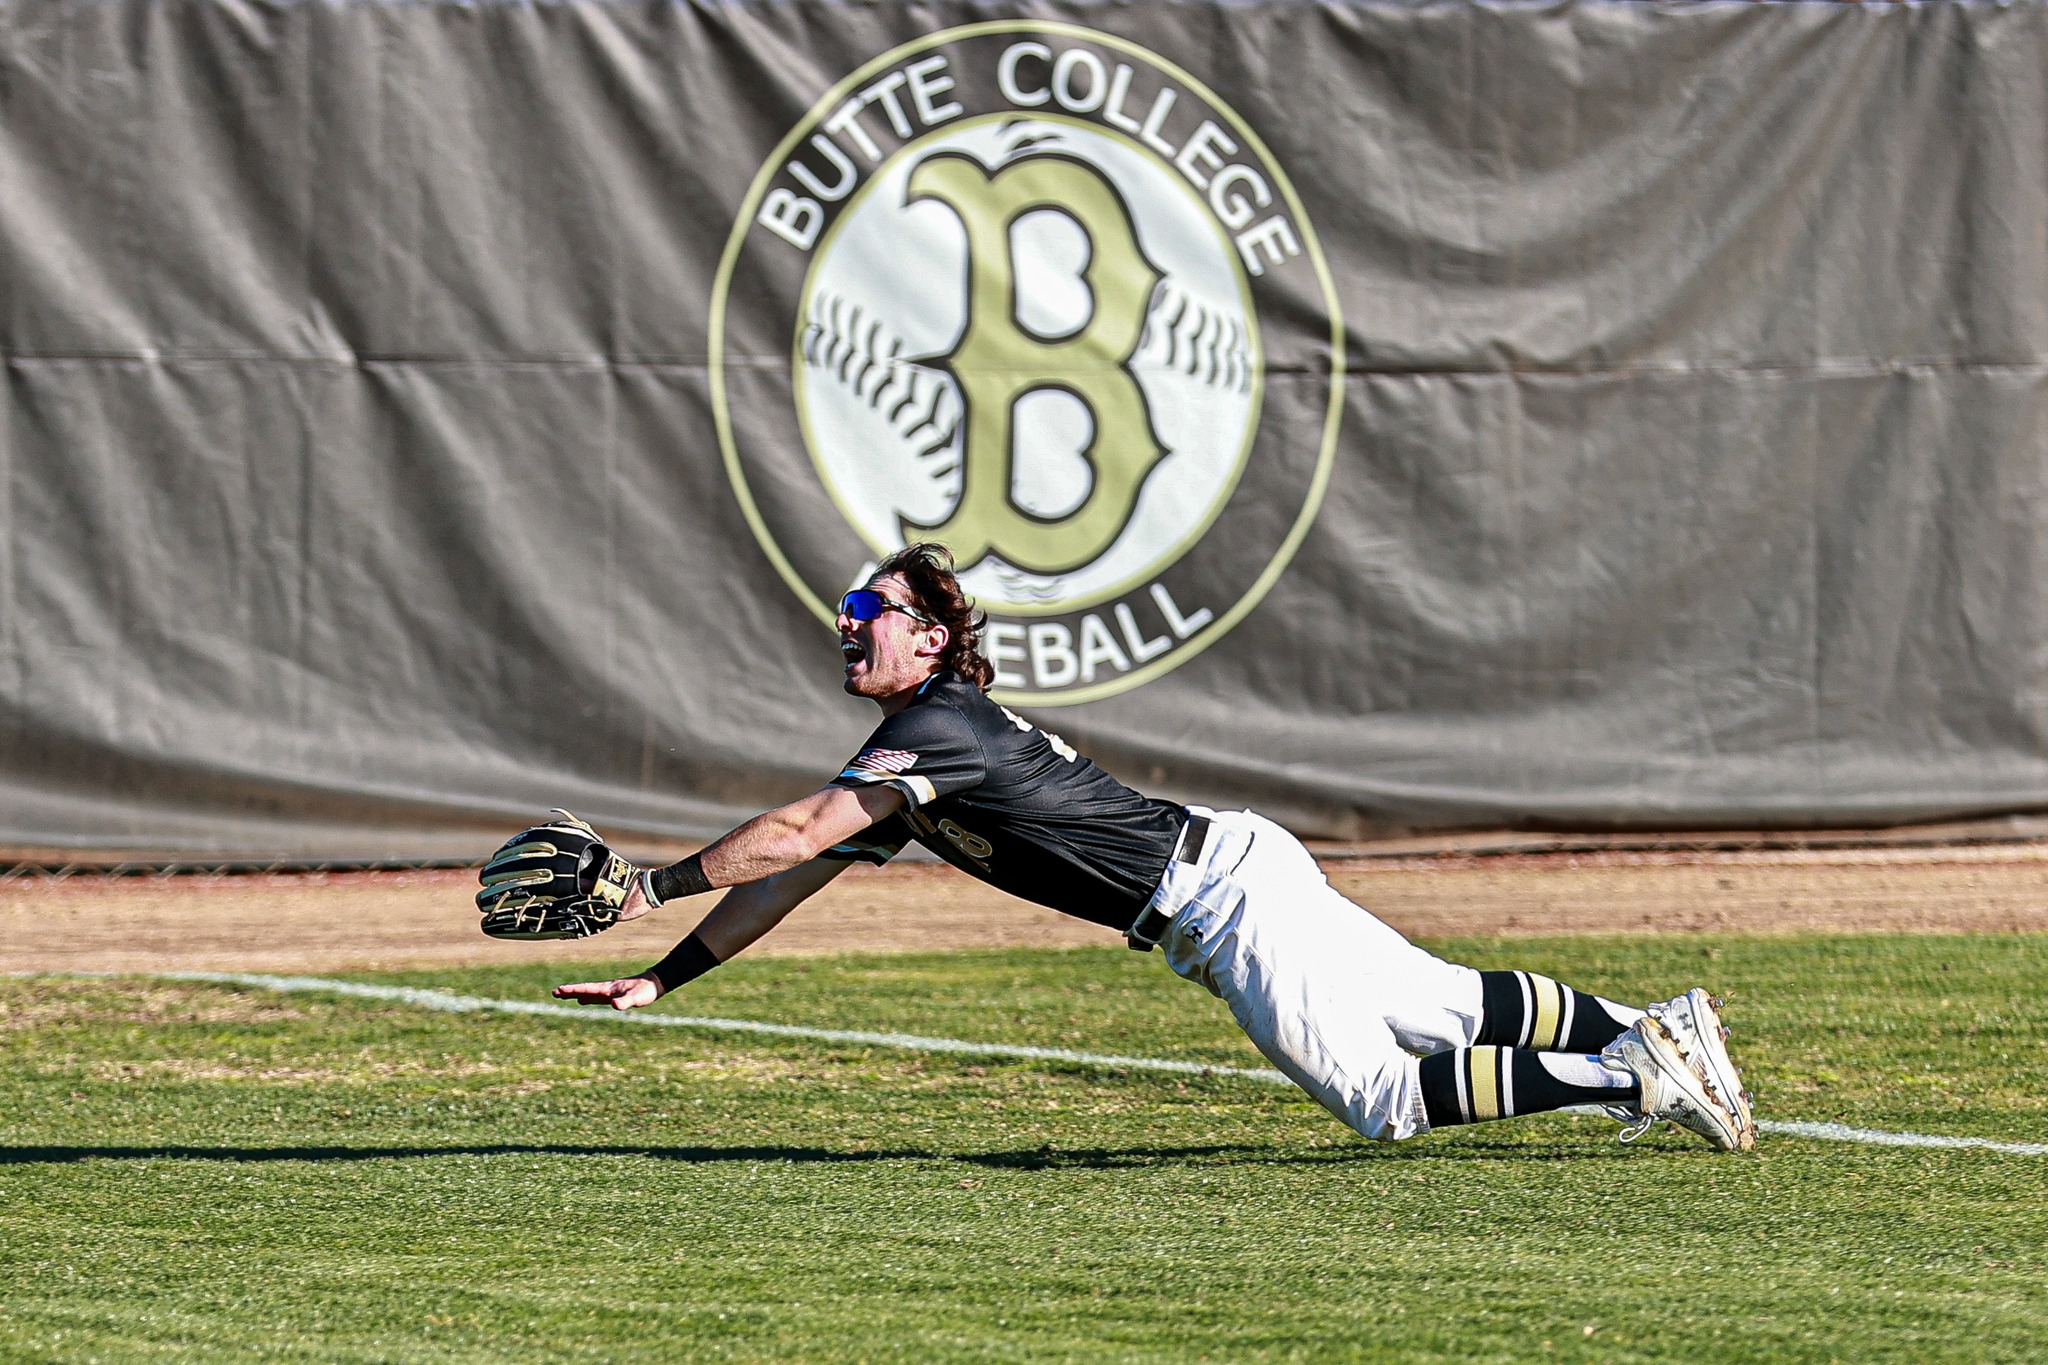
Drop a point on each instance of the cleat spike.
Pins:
(1717, 1002)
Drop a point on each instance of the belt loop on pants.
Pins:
(1144, 935)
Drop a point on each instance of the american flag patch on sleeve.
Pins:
(883, 760)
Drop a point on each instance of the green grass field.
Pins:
(197, 1172)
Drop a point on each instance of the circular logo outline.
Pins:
(744, 222)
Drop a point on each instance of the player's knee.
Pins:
(1383, 1103)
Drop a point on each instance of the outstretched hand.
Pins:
(626, 993)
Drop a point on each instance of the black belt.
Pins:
(1151, 926)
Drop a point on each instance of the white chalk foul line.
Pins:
(448, 1000)
(1879, 1137)
(465, 1004)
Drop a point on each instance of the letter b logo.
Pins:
(997, 362)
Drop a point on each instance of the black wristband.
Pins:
(689, 960)
(685, 878)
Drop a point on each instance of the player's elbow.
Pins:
(843, 812)
(817, 839)
(807, 830)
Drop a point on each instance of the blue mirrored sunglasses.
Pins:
(864, 604)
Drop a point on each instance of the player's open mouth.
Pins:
(851, 652)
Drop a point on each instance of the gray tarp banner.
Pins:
(1388, 416)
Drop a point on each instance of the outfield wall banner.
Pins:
(1392, 417)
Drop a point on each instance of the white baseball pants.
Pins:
(1338, 1001)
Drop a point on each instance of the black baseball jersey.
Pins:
(1004, 801)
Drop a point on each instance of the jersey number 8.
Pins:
(973, 845)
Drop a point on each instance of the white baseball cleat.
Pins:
(1694, 1022)
(1668, 1087)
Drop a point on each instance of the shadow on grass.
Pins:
(21, 1156)
(1024, 1159)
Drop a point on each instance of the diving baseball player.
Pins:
(1390, 1039)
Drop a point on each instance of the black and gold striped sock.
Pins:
(1480, 1084)
(1523, 1009)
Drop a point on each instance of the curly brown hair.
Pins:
(927, 569)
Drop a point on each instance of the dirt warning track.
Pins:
(377, 920)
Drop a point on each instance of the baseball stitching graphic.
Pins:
(919, 404)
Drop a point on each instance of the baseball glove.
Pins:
(557, 880)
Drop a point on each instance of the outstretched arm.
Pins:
(767, 845)
(741, 916)
(747, 912)
(789, 836)
(772, 864)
